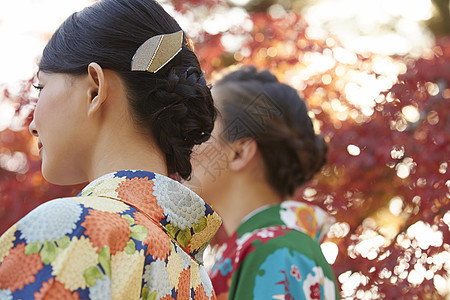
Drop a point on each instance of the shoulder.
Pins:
(269, 239)
(53, 207)
(279, 247)
(51, 220)
(65, 216)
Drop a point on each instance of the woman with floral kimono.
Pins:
(262, 149)
(122, 103)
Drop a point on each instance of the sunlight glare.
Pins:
(405, 167)
(24, 28)
(345, 56)
(383, 27)
(353, 150)
(411, 113)
(339, 230)
(240, 2)
(418, 10)
(276, 11)
(425, 235)
(446, 218)
(416, 277)
(7, 113)
(16, 162)
(350, 282)
(221, 21)
(232, 42)
(330, 251)
(398, 152)
(442, 284)
(370, 246)
(402, 171)
(395, 206)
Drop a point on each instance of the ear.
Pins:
(244, 152)
(97, 87)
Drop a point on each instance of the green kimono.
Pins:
(275, 254)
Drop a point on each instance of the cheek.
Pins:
(52, 123)
(210, 166)
(52, 114)
(41, 115)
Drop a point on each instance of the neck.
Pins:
(242, 197)
(113, 141)
(124, 151)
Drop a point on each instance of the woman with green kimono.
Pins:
(263, 148)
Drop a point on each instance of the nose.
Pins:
(32, 129)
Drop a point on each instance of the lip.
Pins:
(40, 146)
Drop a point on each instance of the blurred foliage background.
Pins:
(376, 77)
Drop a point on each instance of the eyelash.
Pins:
(38, 88)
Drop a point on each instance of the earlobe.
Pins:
(245, 150)
(97, 87)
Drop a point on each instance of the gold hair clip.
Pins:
(157, 51)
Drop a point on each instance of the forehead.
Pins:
(42, 74)
(55, 77)
(219, 96)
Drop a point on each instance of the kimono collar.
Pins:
(306, 218)
(181, 213)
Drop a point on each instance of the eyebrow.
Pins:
(37, 74)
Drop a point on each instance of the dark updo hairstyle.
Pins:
(174, 105)
(256, 105)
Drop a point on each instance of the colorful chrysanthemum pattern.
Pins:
(55, 290)
(158, 244)
(127, 235)
(181, 206)
(6, 294)
(102, 204)
(137, 192)
(53, 220)
(105, 228)
(101, 290)
(7, 241)
(156, 279)
(16, 278)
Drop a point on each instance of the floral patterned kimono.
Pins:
(275, 254)
(127, 235)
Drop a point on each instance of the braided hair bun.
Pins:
(273, 114)
(180, 114)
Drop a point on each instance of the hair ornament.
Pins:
(157, 51)
(194, 75)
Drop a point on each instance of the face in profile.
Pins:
(210, 164)
(59, 123)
